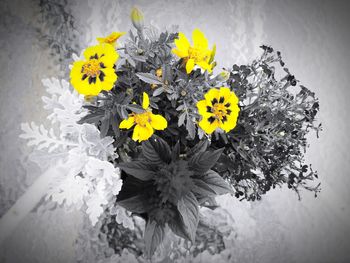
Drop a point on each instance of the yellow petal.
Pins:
(199, 39)
(189, 66)
(127, 124)
(202, 107)
(210, 95)
(135, 134)
(204, 65)
(229, 124)
(142, 133)
(180, 53)
(233, 99)
(158, 122)
(145, 101)
(182, 42)
(225, 93)
(212, 54)
(208, 127)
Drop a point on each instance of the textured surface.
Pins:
(314, 39)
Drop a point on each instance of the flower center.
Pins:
(91, 68)
(219, 110)
(197, 54)
(142, 118)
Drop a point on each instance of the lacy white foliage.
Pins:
(86, 177)
(122, 216)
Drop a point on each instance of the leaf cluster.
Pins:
(267, 147)
(167, 186)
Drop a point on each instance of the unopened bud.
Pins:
(137, 18)
(223, 76)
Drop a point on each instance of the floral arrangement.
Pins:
(150, 135)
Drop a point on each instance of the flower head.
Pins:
(198, 54)
(110, 39)
(219, 109)
(96, 72)
(145, 122)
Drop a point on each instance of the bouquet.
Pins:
(151, 132)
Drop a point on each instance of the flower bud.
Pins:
(223, 76)
(137, 18)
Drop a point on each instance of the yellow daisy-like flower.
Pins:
(96, 72)
(198, 54)
(145, 123)
(219, 109)
(111, 39)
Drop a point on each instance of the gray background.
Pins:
(314, 38)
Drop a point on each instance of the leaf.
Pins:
(177, 226)
(191, 128)
(167, 74)
(189, 211)
(181, 119)
(208, 202)
(215, 182)
(92, 117)
(105, 123)
(137, 169)
(149, 78)
(115, 125)
(158, 91)
(203, 161)
(135, 108)
(156, 150)
(176, 151)
(154, 235)
(201, 189)
(200, 147)
(135, 204)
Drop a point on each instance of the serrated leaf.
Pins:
(137, 169)
(209, 202)
(203, 161)
(202, 189)
(215, 182)
(156, 150)
(189, 211)
(200, 147)
(149, 78)
(177, 226)
(135, 204)
(154, 235)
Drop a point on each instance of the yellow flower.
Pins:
(198, 54)
(146, 122)
(219, 109)
(111, 39)
(96, 72)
